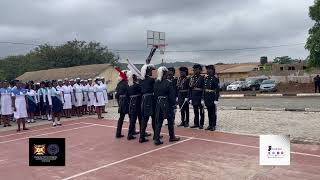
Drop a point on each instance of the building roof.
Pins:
(83, 72)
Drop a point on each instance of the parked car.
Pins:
(253, 84)
(223, 86)
(236, 86)
(268, 86)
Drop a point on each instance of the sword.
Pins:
(182, 105)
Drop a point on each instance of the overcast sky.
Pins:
(189, 25)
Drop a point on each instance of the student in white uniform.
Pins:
(73, 101)
(78, 93)
(105, 93)
(6, 103)
(32, 101)
(67, 92)
(19, 105)
(99, 98)
(56, 103)
(43, 101)
(49, 107)
(85, 96)
(91, 97)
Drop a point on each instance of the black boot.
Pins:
(174, 139)
(158, 142)
(208, 128)
(181, 124)
(142, 140)
(194, 126)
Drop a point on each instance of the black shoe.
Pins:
(174, 139)
(186, 125)
(147, 134)
(119, 136)
(135, 133)
(142, 140)
(200, 127)
(213, 129)
(160, 137)
(158, 142)
(194, 126)
(131, 138)
(181, 124)
(208, 128)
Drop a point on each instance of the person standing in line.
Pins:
(73, 102)
(37, 114)
(196, 85)
(56, 103)
(6, 103)
(49, 107)
(105, 93)
(91, 97)
(0, 101)
(19, 105)
(211, 96)
(78, 94)
(85, 89)
(123, 101)
(165, 97)
(32, 101)
(183, 96)
(171, 78)
(67, 92)
(98, 97)
(134, 93)
(42, 94)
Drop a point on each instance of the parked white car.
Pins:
(236, 86)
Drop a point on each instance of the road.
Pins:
(290, 102)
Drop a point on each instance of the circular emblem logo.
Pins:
(53, 149)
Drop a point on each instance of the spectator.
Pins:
(316, 81)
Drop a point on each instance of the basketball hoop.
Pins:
(157, 39)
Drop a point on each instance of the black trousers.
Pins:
(132, 124)
(159, 123)
(144, 124)
(196, 109)
(120, 123)
(185, 113)
(212, 115)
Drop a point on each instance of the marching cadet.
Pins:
(171, 78)
(98, 97)
(19, 105)
(183, 96)
(165, 97)
(67, 92)
(123, 101)
(134, 93)
(196, 85)
(148, 101)
(211, 96)
(6, 103)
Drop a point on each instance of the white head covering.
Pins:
(130, 78)
(144, 70)
(160, 72)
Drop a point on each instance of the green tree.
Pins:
(284, 60)
(313, 41)
(46, 56)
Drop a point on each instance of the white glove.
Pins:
(202, 102)
(190, 101)
(176, 99)
(186, 99)
(216, 102)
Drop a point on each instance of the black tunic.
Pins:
(211, 90)
(196, 85)
(148, 101)
(183, 89)
(164, 95)
(174, 82)
(134, 93)
(122, 97)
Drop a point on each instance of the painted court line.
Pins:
(214, 141)
(13, 140)
(13, 134)
(126, 159)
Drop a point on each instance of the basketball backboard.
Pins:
(156, 38)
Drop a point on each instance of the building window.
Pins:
(293, 68)
(281, 68)
(304, 67)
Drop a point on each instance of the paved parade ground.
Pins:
(92, 152)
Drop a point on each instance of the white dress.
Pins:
(105, 93)
(67, 91)
(78, 94)
(98, 89)
(91, 95)
(6, 103)
(85, 90)
(20, 103)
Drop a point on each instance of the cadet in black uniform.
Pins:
(164, 94)
(173, 80)
(196, 85)
(211, 96)
(122, 98)
(134, 92)
(148, 101)
(183, 90)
